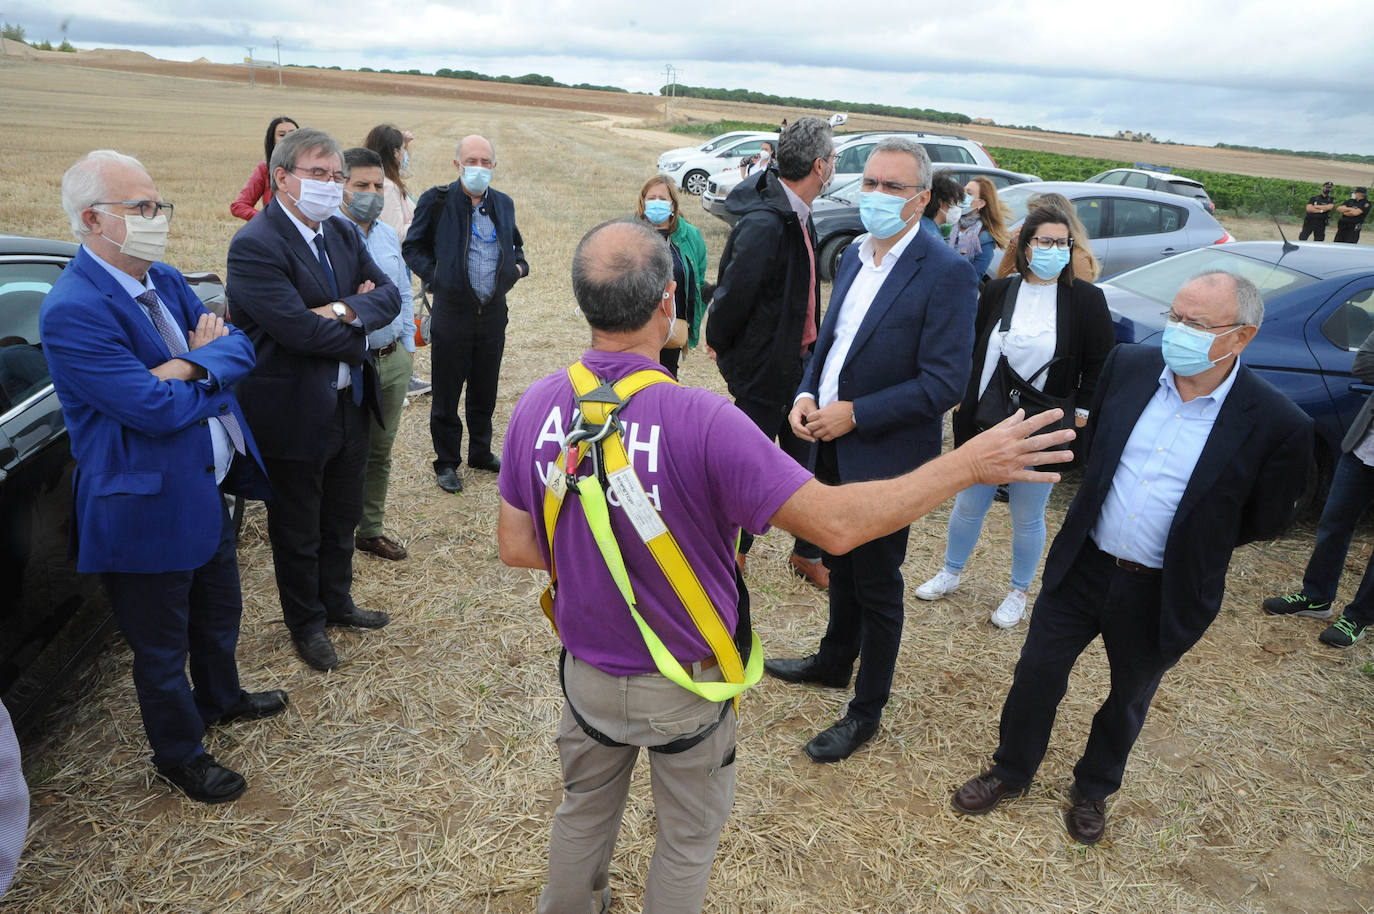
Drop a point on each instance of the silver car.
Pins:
(1128, 227)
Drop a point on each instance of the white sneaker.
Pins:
(938, 586)
(1012, 610)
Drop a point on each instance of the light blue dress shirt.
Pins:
(385, 248)
(1154, 471)
(14, 802)
(484, 254)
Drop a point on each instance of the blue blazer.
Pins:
(274, 279)
(145, 495)
(1254, 466)
(909, 360)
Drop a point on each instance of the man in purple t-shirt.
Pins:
(708, 471)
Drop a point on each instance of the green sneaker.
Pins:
(1297, 604)
(1343, 633)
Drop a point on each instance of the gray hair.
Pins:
(799, 146)
(84, 184)
(913, 149)
(458, 150)
(290, 147)
(1249, 302)
(618, 281)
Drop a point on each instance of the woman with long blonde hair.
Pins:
(982, 227)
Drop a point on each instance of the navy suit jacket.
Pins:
(275, 278)
(1252, 470)
(909, 360)
(145, 495)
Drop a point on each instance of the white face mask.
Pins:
(319, 199)
(145, 239)
(953, 214)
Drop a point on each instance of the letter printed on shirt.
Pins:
(552, 430)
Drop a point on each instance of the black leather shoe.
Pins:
(806, 669)
(316, 651)
(981, 795)
(840, 741)
(204, 780)
(359, 618)
(448, 480)
(1086, 819)
(255, 706)
(491, 463)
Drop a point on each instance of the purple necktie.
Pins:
(176, 345)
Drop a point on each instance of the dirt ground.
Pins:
(421, 775)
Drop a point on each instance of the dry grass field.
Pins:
(421, 775)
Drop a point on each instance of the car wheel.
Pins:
(236, 505)
(694, 182)
(831, 251)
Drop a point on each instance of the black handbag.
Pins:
(1007, 391)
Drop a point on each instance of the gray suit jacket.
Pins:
(1364, 370)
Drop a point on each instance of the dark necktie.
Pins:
(176, 345)
(355, 372)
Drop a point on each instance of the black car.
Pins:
(836, 214)
(53, 619)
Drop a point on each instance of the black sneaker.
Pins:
(1343, 633)
(1297, 604)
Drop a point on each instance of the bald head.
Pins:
(1232, 298)
(619, 272)
(474, 150)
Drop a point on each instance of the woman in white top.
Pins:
(1058, 321)
(389, 142)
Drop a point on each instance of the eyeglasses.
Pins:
(323, 174)
(1173, 318)
(891, 187)
(148, 209)
(1044, 243)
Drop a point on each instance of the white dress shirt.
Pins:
(345, 377)
(1030, 341)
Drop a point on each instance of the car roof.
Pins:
(848, 138)
(1325, 261)
(1075, 189)
(22, 244)
(1161, 175)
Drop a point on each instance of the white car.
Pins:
(692, 169)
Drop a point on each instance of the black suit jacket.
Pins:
(436, 244)
(274, 279)
(1252, 470)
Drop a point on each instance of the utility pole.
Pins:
(670, 75)
(4, 51)
(277, 41)
(252, 79)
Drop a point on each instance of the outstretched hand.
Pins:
(1007, 451)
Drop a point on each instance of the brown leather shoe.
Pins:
(812, 570)
(381, 546)
(981, 795)
(1086, 819)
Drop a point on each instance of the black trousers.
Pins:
(1316, 229)
(167, 619)
(1096, 598)
(467, 341)
(314, 509)
(866, 608)
(1348, 234)
(772, 420)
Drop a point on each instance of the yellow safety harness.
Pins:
(598, 431)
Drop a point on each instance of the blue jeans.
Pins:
(1352, 492)
(1028, 500)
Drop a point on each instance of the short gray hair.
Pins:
(801, 143)
(1249, 302)
(84, 184)
(618, 282)
(911, 148)
(304, 139)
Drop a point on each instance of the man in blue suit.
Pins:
(307, 293)
(892, 356)
(144, 373)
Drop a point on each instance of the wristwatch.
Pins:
(339, 309)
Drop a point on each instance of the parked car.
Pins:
(1318, 309)
(693, 168)
(54, 619)
(836, 214)
(1129, 226)
(1156, 180)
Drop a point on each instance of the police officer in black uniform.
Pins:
(1319, 210)
(1352, 213)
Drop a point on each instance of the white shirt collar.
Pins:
(866, 245)
(306, 231)
(1217, 396)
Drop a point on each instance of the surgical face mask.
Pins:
(1049, 264)
(966, 204)
(405, 160)
(319, 199)
(830, 179)
(952, 213)
(365, 206)
(476, 179)
(658, 211)
(882, 213)
(145, 239)
(1186, 349)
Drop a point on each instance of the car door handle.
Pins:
(1167, 251)
(1361, 388)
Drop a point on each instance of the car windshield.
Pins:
(719, 142)
(1161, 280)
(847, 192)
(1014, 201)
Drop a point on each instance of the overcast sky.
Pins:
(1264, 72)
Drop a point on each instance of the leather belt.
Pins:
(1135, 567)
(388, 349)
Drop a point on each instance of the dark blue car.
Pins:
(1318, 309)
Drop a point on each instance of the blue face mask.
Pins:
(476, 179)
(1049, 264)
(967, 203)
(658, 211)
(1186, 349)
(405, 160)
(882, 213)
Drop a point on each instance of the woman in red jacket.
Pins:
(259, 187)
